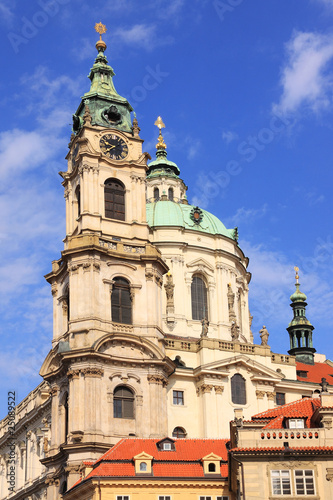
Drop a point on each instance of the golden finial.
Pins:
(101, 29)
(297, 275)
(160, 144)
(159, 123)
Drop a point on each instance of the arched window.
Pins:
(121, 302)
(156, 194)
(123, 402)
(238, 389)
(211, 467)
(170, 194)
(114, 197)
(179, 432)
(143, 467)
(78, 200)
(199, 298)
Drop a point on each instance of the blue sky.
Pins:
(245, 90)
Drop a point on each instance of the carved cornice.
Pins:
(86, 372)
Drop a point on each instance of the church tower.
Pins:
(300, 328)
(107, 368)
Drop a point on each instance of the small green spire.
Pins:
(300, 329)
(162, 166)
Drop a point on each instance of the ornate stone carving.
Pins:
(73, 373)
(135, 127)
(270, 396)
(204, 388)
(169, 289)
(92, 372)
(87, 116)
(260, 394)
(157, 379)
(54, 289)
(231, 302)
(218, 389)
(149, 274)
(329, 474)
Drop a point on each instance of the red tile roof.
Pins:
(315, 372)
(186, 449)
(184, 461)
(302, 408)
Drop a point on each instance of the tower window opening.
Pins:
(156, 194)
(114, 197)
(170, 194)
(123, 402)
(121, 302)
(199, 299)
(211, 467)
(78, 200)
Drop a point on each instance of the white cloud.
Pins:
(6, 12)
(246, 215)
(193, 146)
(141, 35)
(21, 150)
(46, 90)
(229, 136)
(306, 77)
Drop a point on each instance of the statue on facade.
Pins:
(234, 331)
(169, 290)
(205, 325)
(324, 385)
(264, 335)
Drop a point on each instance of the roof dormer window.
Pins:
(166, 444)
(295, 423)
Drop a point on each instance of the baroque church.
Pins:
(152, 330)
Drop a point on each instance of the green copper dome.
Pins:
(169, 213)
(298, 295)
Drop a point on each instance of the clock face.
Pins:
(113, 147)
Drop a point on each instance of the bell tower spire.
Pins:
(107, 108)
(300, 329)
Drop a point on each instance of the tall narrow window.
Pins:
(78, 200)
(66, 415)
(156, 194)
(199, 299)
(281, 484)
(121, 302)
(238, 390)
(123, 402)
(114, 195)
(170, 194)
